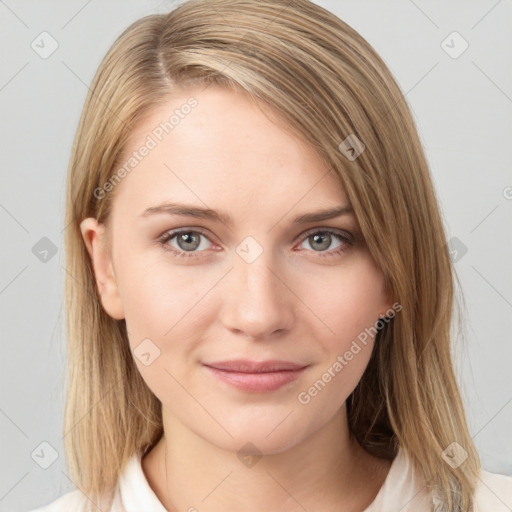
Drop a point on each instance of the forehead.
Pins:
(216, 147)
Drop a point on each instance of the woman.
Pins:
(259, 289)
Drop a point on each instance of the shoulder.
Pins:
(493, 493)
(73, 501)
(77, 501)
(131, 489)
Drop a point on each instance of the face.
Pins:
(257, 282)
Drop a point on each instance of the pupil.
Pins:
(187, 238)
(326, 240)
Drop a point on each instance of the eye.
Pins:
(186, 241)
(320, 240)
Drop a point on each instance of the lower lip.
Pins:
(258, 382)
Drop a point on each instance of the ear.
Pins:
(95, 240)
(388, 302)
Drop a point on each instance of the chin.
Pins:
(249, 442)
(265, 434)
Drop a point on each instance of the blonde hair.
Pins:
(326, 82)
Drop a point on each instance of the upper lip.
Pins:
(245, 366)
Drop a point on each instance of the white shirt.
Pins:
(402, 491)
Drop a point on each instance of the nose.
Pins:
(257, 302)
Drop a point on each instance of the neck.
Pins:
(327, 469)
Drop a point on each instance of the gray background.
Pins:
(463, 109)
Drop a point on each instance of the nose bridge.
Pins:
(257, 302)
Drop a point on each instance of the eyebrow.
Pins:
(213, 215)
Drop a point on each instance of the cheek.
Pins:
(348, 304)
(149, 307)
(162, 302)
(349, 312)
(162, 306)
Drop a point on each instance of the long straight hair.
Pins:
(327, 83)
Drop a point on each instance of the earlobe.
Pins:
(93, 234)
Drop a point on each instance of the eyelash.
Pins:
(348, 240)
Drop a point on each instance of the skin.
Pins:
(290, 303)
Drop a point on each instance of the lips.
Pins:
(256, 376)
(244, 366)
